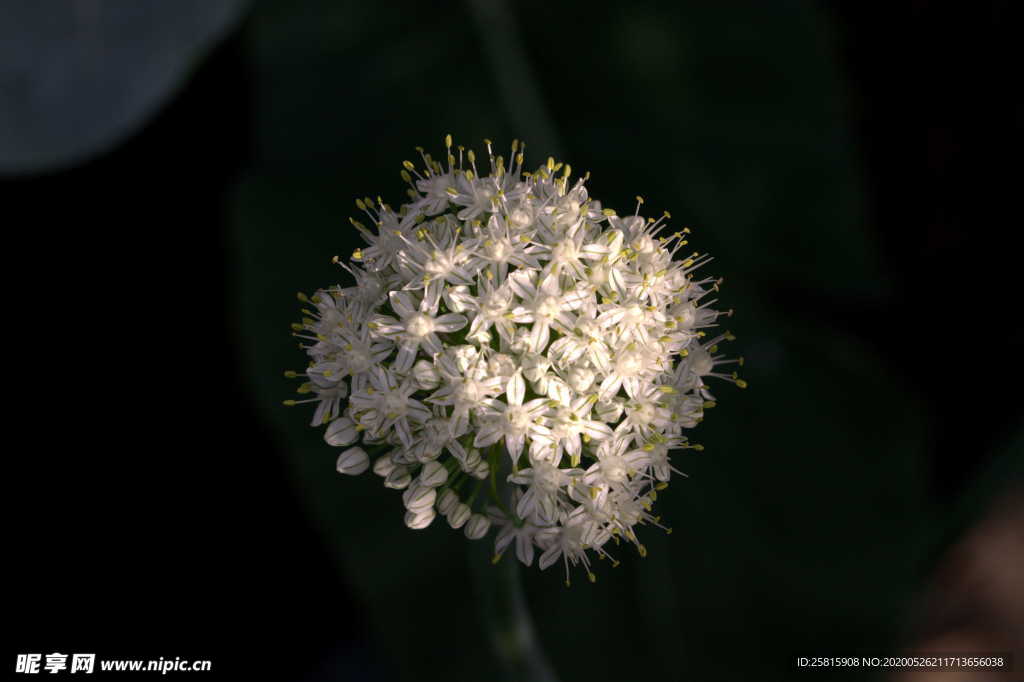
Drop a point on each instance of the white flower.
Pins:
(510, 312)
(545, 482)
(417, 327)
(512, 420)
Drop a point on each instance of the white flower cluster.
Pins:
(514, 355)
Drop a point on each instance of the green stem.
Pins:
(494, 460)
(506, 617)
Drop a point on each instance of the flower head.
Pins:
(513, 355)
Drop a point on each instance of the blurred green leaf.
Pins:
(78, 77)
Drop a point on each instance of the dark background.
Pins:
(852, 166)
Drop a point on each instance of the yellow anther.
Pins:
(448, 141)
(591, 577)
(471, 155)
(608, 212)
(639, 199)
(305, 388)
(741, 383)
(643, 550)
(661, 485)
(357, 254)
(302, 297)
(289, 403)
(291, 374)
(408, 165)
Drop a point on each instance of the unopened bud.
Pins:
(477, 526)
(458, 515)
(421, 519)
(471, 462)
(353, 462)
(433, 474)
(341, 432)
(418, 497)
(447, 501)
(426, 375)
(398, 479)
(383, 466)
(482, 470)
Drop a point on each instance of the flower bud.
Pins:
(403, 457)
(471, 462)
(608, 410)
(520, 340)
(399, 478)
(501, 365)
(534, 366)
(580, 379)
(341, 432)
(425, 375)
(433, 474)
(482, 337)
(456, 297)
(383, 466)
(421, 519)
(464, 356)
(353, 462)
(419, 497)
(447, 501)
(520, 219)
(458, 515)
(477, 526)
(482, 470)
